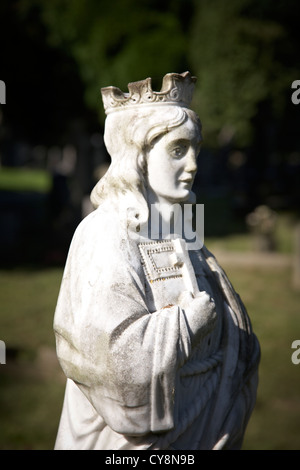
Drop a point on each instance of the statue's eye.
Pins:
(179, 150)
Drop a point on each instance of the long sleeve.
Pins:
(122, 357)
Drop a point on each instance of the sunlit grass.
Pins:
(27, 302)
(31, 390)
(24, 179)
(31, 383)
(273, 306)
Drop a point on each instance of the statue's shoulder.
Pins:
(102, 233)
(100, 222)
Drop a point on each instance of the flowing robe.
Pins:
(138, 376)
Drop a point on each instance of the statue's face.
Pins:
(172, 163)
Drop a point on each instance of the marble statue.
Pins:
(156, 345)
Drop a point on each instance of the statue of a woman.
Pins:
(156, 345)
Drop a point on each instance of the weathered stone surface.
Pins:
(156, 345)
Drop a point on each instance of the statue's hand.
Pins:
(201, 302)
(200, 311)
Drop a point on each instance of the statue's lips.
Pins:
(186, 180)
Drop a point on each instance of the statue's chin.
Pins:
(190, 199)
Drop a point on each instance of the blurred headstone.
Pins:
(262, 223)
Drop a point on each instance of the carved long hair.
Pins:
(129, 135)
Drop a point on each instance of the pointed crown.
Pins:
(177, 89)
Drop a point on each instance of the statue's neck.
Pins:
(165, 216)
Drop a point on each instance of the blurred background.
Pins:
(54, 58)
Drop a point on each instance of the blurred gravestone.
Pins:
(262, 223)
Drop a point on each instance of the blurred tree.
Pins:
(41, 81)
(243, 53)
(120, 41)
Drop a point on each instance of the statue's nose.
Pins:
(191, 162)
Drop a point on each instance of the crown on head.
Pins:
(177, 88)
